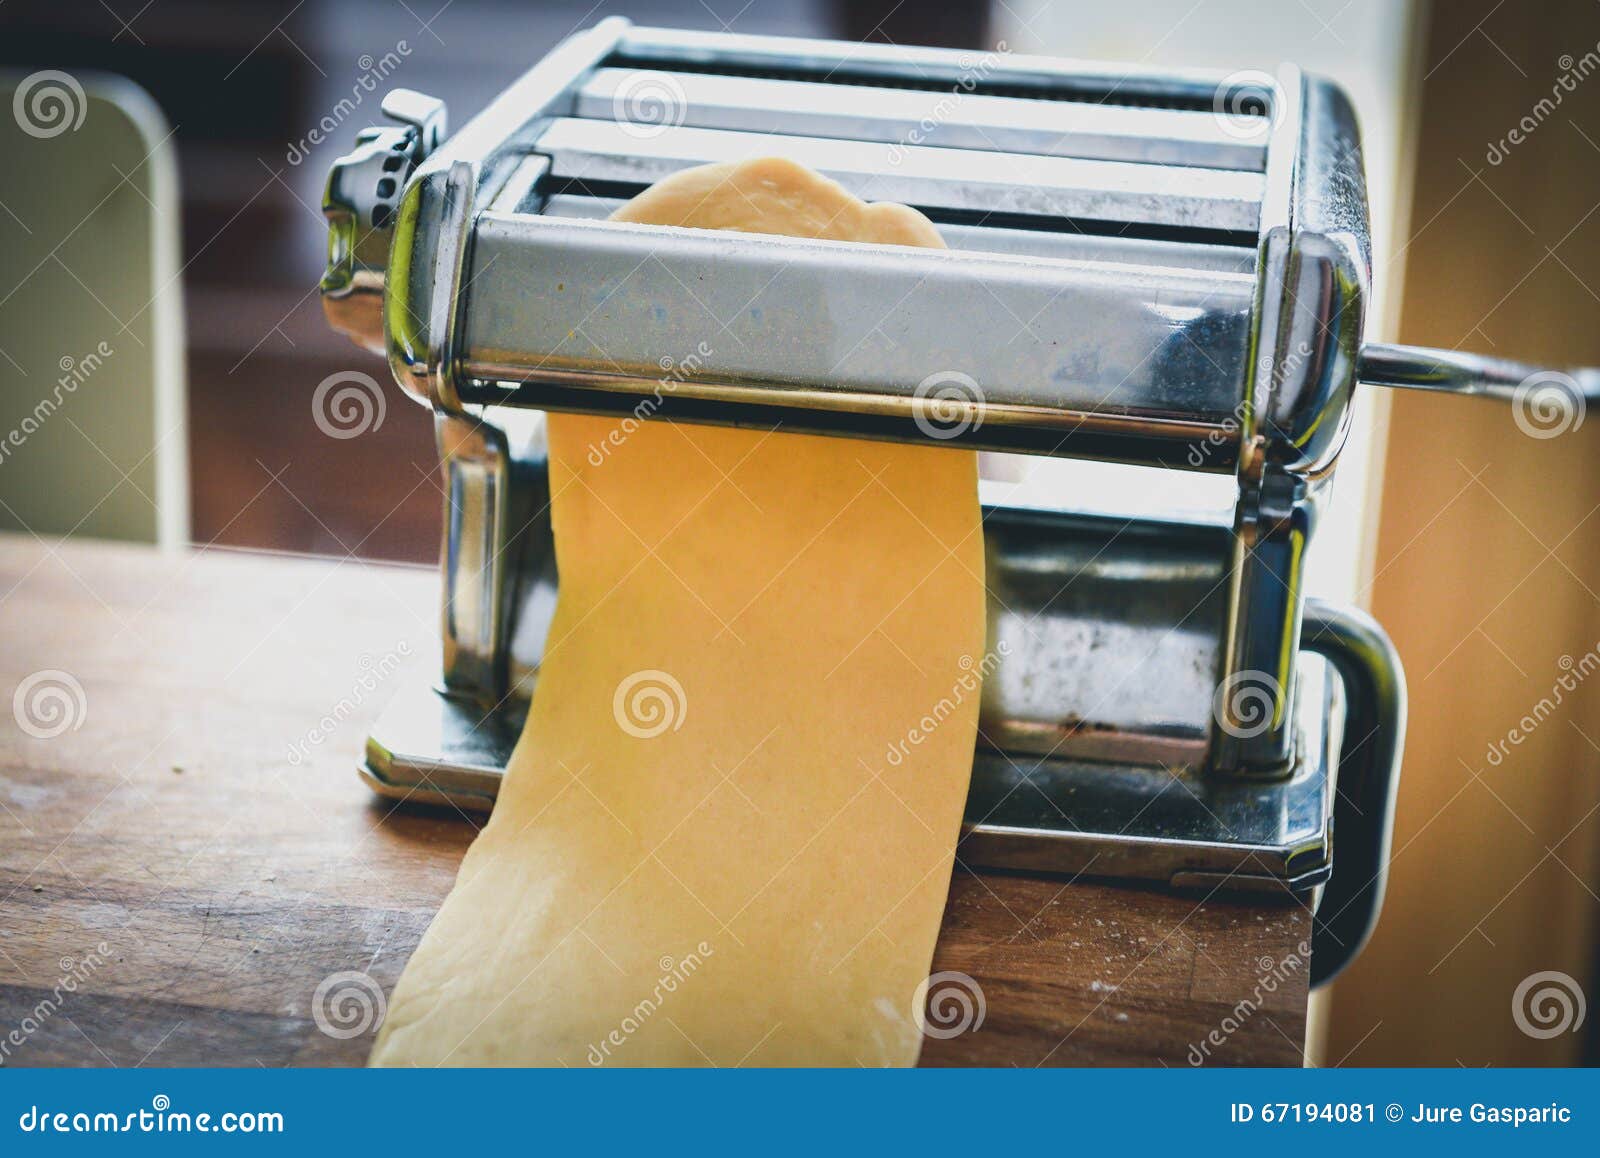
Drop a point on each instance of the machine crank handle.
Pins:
(1540, 390)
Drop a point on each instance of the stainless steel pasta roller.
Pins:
(1166, 269)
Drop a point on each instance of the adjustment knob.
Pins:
(360, 203)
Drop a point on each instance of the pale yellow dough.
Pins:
(761, 882)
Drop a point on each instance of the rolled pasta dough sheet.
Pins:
(726, 834)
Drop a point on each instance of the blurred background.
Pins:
(160, 292)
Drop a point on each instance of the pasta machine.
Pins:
(1164, 269)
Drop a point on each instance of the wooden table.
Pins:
(195, 882)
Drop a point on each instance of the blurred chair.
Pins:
(93, 425)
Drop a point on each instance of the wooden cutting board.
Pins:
(192, 856)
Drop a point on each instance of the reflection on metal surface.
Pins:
(852, 330)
